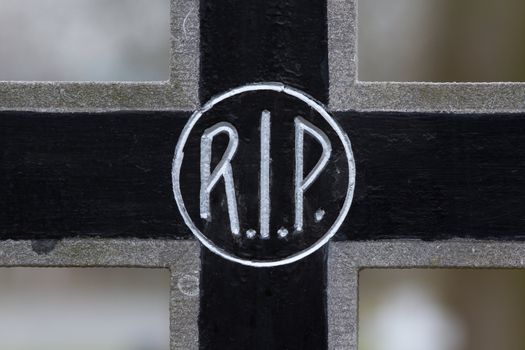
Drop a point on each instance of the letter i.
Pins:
(264, 209)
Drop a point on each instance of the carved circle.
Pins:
(179, 155)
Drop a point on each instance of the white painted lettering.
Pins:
(264, 209)
(223, 169)
(302, 183)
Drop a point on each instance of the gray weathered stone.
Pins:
(347, 258)
(180, 257)
(180, 92)
(348, 93)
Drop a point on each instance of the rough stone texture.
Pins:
(348, 93)
(342, 305)
(342, 52)
(347, 258)
(430, 97)
(181, 257)
(180, 92)
(185, 54)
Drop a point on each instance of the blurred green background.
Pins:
(441, 309)
(441, 40)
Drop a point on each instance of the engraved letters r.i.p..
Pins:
(224, 170)
(263, 175)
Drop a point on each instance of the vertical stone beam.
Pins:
(184, 57)
(184, 301)
(342, 33)
(342, 300)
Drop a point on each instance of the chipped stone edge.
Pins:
(180, 92)
(347, 93)
(347, 258)
(182, 258)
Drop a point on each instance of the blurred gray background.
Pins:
(103, 40)
(84, 309)
(128, 40)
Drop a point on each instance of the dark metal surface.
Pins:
(66, 175)
(419, 175)
(256, 41)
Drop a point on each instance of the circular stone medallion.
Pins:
(263, 175)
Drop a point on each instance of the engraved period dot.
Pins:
(282, 232)
(319, 215)
(251, 233)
